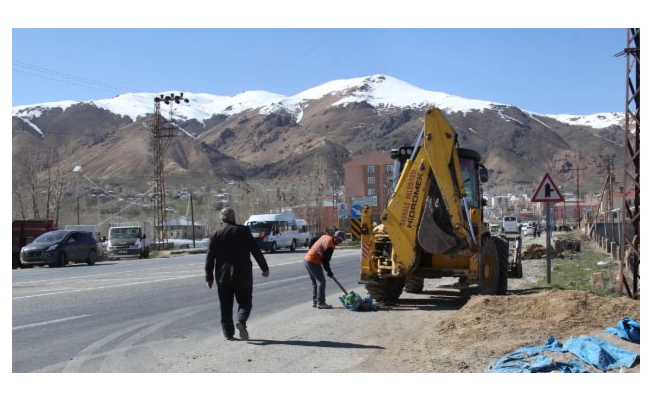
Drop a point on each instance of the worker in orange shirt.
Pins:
(316, 261)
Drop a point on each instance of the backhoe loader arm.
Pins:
(440, 145)
(426, 210)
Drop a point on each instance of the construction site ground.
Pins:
(431, 344)
(472, 335)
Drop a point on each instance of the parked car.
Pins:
(527, 230)
(58, 248)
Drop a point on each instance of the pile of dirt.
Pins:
(492, 326)
(533, 252)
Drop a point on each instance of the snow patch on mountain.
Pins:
(600, 120)
(380, 91)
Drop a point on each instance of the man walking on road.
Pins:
(228, 263)
(317, 257)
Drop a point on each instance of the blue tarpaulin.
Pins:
(588, 350)
(628, 329)
(600, 353)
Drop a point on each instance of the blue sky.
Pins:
(551, 71)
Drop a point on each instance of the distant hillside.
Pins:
(266, 136)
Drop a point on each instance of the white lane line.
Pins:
(105, 274)
(140, 283)
(132, 271)
(105, 287)
(54, 321)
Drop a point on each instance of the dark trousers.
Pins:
(316, 274)
(242, 291)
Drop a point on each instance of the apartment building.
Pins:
(368, 180)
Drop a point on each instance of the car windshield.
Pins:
(260, 225)
(123, 233)
(51, 237)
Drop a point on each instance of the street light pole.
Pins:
(77, 170)
(192, 220)
(334, 204)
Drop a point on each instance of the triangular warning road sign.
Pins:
(547, 191)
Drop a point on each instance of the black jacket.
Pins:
(228, 255)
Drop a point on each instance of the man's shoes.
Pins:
(229, 338)
(314, 304)
(242, 329)
(324, 306)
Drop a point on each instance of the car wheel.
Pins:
(92, 258)
(61, 260)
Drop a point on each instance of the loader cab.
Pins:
(473, 175)
(400, 156)
(473, 172)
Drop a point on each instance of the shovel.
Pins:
(340, 285)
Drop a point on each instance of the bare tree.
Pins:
(40, 181)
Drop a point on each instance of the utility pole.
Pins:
(77, 170)
(629, 250)
(578, 213)
(162, 138)
(609, 201)
(192, 220)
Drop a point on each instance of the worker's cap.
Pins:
(227, 215)
(339, 235)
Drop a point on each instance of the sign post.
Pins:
(342, 211)
(356, 215)
(547, 192)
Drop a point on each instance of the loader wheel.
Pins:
(414, 284)
(489, 268)
(387, 290)
(502, 247)
(518, 273)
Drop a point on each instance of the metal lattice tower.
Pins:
(629, 251)
(163, 133)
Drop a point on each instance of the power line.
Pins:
(94, 134)
(41, 72)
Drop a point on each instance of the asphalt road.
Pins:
(88, 318)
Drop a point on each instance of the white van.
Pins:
(510, 224)
(494, 228)
(274, 231)
(304, 235)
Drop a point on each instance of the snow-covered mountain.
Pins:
(378, 90)
(266, 135)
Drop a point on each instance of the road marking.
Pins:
(105, 287)
(144, 282)
(54, 321)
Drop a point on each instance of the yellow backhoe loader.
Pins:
(433, 224)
